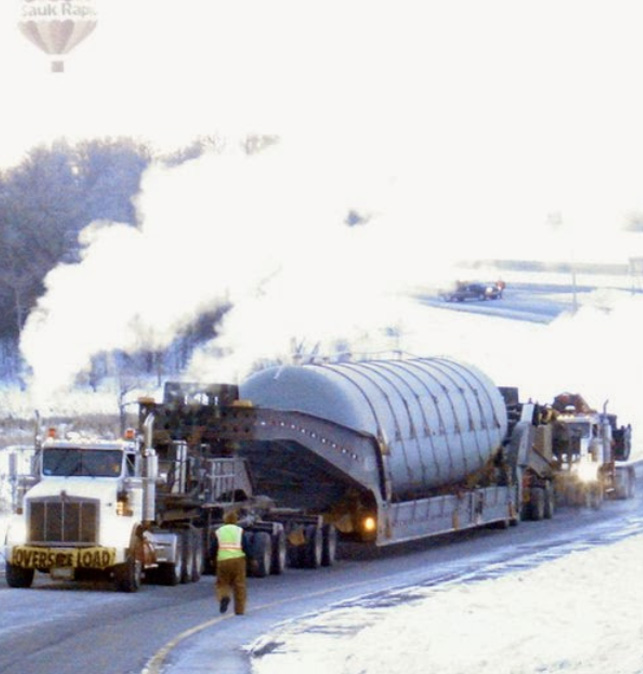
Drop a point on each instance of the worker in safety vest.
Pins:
(231, 551)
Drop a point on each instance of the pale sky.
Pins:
(496, 106)
(534, 101)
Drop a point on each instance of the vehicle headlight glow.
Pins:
(587, 471)
(369, 524)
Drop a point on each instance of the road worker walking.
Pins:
(231, 551)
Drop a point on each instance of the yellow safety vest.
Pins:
(229, 542)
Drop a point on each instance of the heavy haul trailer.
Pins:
(381, 451)
(384, 451)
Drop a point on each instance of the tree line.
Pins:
(45, 202)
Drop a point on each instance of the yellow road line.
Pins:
(155, 664)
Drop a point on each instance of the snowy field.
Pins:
(580, 613)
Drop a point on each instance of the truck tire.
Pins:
(329, 545)
(596, 496)
(261, 554)
(127, 576)
(550, 501)
(170, 573)
(625, 485)
(631, 484)
(313, 547)
(17, 576)
(279, 553)
(537, 504)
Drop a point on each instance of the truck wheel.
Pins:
(550, 501)
(279, 553)
(261, 554)
(537, 504)
(17, 576)
(631, 484)
(127, 576)
(329, 545)
(170, 573)
(596, 496)
(313, 547)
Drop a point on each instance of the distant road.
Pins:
(531, 302)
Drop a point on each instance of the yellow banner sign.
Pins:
(47, 558)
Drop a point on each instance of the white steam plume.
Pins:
(268, 233)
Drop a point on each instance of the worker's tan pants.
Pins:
(231, 578)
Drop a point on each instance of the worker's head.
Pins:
(230, 517)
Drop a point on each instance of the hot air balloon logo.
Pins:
(57, 26)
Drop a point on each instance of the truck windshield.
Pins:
(73, 461)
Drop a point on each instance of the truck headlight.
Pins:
(587, 471)
(16, 531)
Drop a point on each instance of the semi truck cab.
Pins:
(76, 511)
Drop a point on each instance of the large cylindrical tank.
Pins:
(438, 420)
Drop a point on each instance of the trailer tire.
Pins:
(313, 547)
(128, 576)
(17, 576)
(187, 544)
(279, 553)
(329, 545)
(198, 560)
(261, 554)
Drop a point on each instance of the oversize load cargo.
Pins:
(438, 420)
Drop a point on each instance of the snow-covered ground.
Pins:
(580, 613)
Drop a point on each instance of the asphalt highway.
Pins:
(61, 627)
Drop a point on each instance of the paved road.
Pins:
(62, 628)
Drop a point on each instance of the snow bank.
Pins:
(580, 613)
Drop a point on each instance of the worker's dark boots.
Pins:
(223, 604)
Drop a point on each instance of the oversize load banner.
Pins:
(57, 9)
(57, 558)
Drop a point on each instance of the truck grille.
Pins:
(66, 520)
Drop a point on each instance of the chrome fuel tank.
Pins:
(438, 420)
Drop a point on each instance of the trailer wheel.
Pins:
(550, 501)
(313, 547)
(279, 553)
(261, 554)
(127, 576)
(329, 545)
(187, 545)
(17, 576)
(198, 562)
